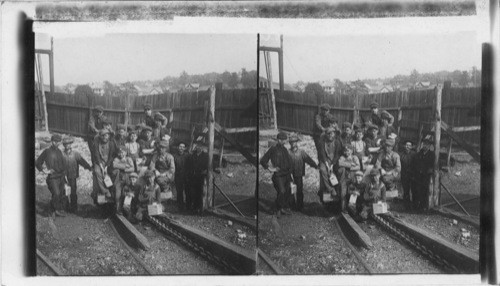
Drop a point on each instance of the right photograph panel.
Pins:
(369, 154)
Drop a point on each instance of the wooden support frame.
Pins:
(467, 147)
(434, 193)
(211, 135)
(269, 70)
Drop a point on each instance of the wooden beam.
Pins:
(464, 259)
(280, 66)
(444, 211)
(455, 199)
(271, 89)
(240, 129)
(269, 49)
(130, 233)
(49, 263)
(43, 51)
(44, 99)
(243, 259)
(353, 232)
(466, 129)
(211, 135)
(462, 201)
(251, 223)
(235, 202)
(434, 194)
(467, 147)
(232, 141)
(270, 262)
(51, 66)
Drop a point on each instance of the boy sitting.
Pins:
(147, 194)
(133, 148)
(348, 165)
(374, 192)
(353, 199)
(122, 167)
(129, 191)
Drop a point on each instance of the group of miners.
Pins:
(357, 164)
(132, 166)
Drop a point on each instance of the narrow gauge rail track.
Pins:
(229, 258)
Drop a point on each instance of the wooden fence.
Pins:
(69, 113)
(410, 109)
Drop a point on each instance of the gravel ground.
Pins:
(388, 255)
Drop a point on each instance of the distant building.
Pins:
(328, 86)
(69, 88)
(423, 85)
(97, 88)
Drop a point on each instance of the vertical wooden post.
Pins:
(434, 194)
(280, 63)
(42, 89)
(223, 141)
(271, 89)
(420, 135)
(211, 133)
(448, 157)
(51, 66)
(127, 110)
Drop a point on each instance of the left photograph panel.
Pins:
(145, 153)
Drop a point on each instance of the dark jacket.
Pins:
(197, 164)
(299, 160)
(73, 162)
(100, 158)
(407, 161)
(331, 157)
(94, 125)
(53, 159)
(280, 158)
(424, 163)
(320, 123)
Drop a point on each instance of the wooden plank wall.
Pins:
(296, 111)
(68, 113)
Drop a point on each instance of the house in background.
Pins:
(328, 86)
(97, 88)
(423, 85)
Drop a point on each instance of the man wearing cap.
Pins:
(148, 119)
(133, 148)
(321, 122)
(330, 149)
(181, 178)
(55, 170)
(373, 143)
(163, 163)
(129, 191)
(348, 165)
(374, 192)
(299, 159)
(424, 168)
(73, 160)
(346, 135)
(95, 123)
(355, 188)
(359, 148)
(197, 171)
(122, 167)
(121, 135)
(407, 157)
(389, 164)
(377, 115)
(282, 170)
(104, 154)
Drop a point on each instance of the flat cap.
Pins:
(325, 106)
(133, 175)
(356, 127)
(103, 131)
(374, 172)
(120, 126)
(358, 173)
(147, 128)
(374, 105)
(132, 131)
(56, 138)
(68, 140)
(346, 125)
(427, 140)
(372, 126)
(99, 108)
(331, 119)
(385, 115)
(282, 136)
(139, 126)
(147, 106)
(346, 147)
(389, 142)
(163, 144)
(158, 116)
(294, 138)
(107, 122)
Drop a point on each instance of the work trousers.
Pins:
(282, 187)
(316, 142)
(344, 175)
(181, 188)
(420, 191)
(98, 182)
(299, 202)
(389, 181)
(194, 200)
(56, 188)
(90, 142)
(73, 197)
(406, 182)
(120, 179)
(324, 182)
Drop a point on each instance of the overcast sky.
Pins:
(316, 58)
(127, 57)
